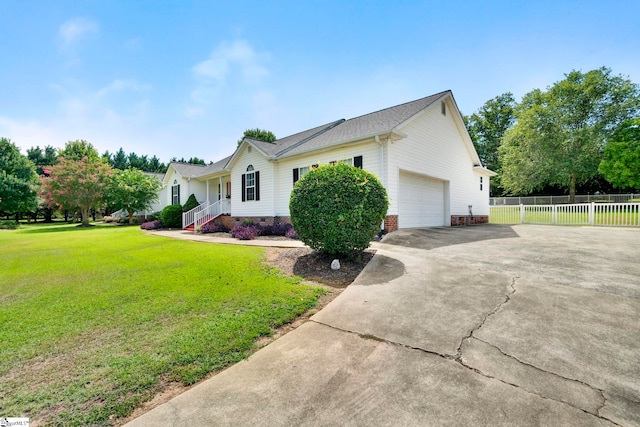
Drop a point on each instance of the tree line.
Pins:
(580, 134)
(76, 179)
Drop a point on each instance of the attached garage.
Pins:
(421, 202)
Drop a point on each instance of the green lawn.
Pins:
(93, 321)
(606, 215)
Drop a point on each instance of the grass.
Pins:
(606, 215)
(94, 321)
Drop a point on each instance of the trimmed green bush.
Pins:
(191, 203)
(338, 209)
(171, 216)
(9, 225)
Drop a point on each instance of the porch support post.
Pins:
(208, 193)
(220, 188)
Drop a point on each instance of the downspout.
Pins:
(381, 169)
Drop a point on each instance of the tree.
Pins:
(487, 127)
(559, 134)
(76, 150)
(18, 179)
(259, 134)
(621, 163)
(77, 184)
(41, 158)
(133, 191)
(338, 209)
(119, 160)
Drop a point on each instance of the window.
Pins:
(300, 172)
(345, 161)
(251, 185)
(228, 189)
(480, 183)
(357, 161)
(175, 193)
(219, 191)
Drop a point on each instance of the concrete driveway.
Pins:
(482, 325)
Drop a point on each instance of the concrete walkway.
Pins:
(484, 325)
(190, 235)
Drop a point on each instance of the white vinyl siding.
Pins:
(370, 152)
(434, 147)
(264, 206)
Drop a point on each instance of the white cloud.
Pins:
(75, 29)
(231, 63)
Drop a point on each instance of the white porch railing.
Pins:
(210, 212)
(611, 214)
(188, 217)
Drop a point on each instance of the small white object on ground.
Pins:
(335, 264)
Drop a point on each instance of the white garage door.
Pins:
(421, 202)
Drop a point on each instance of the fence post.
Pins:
(521, 213)
(591, 213)
(554, 214)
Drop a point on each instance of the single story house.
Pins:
(420, 151)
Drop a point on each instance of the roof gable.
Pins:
(368, 125)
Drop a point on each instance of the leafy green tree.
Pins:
(621, 163)
(76, 150)
(18, 180)
(559, 134)
(259, 134)
(78, 184)
(132, 190)
(338, 209)
(487, 127)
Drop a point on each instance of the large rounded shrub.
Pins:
(171, 216)
(338, 209)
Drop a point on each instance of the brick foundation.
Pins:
(469, 220)
(232, 221)
(391, 223)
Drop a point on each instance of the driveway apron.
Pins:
(480, 325)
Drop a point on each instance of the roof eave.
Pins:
(395, 136)
(484, 171)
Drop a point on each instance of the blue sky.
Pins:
(186, 78)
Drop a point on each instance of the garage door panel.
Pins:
(421, 201)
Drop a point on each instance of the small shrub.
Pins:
(152, 225)
(245, 232)
(191, 203)
(291, 233)
(171, 216)
(247, 222)
(9, 225)
(213, 228)
(338, 209)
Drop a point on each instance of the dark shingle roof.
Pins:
(333, 133)
(215, 167)
(188, 170)
(368, 125)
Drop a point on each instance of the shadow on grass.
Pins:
(436, 237)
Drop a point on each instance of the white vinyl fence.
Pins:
(612, 214)
(556, 200)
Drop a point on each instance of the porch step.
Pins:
(205, 220)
